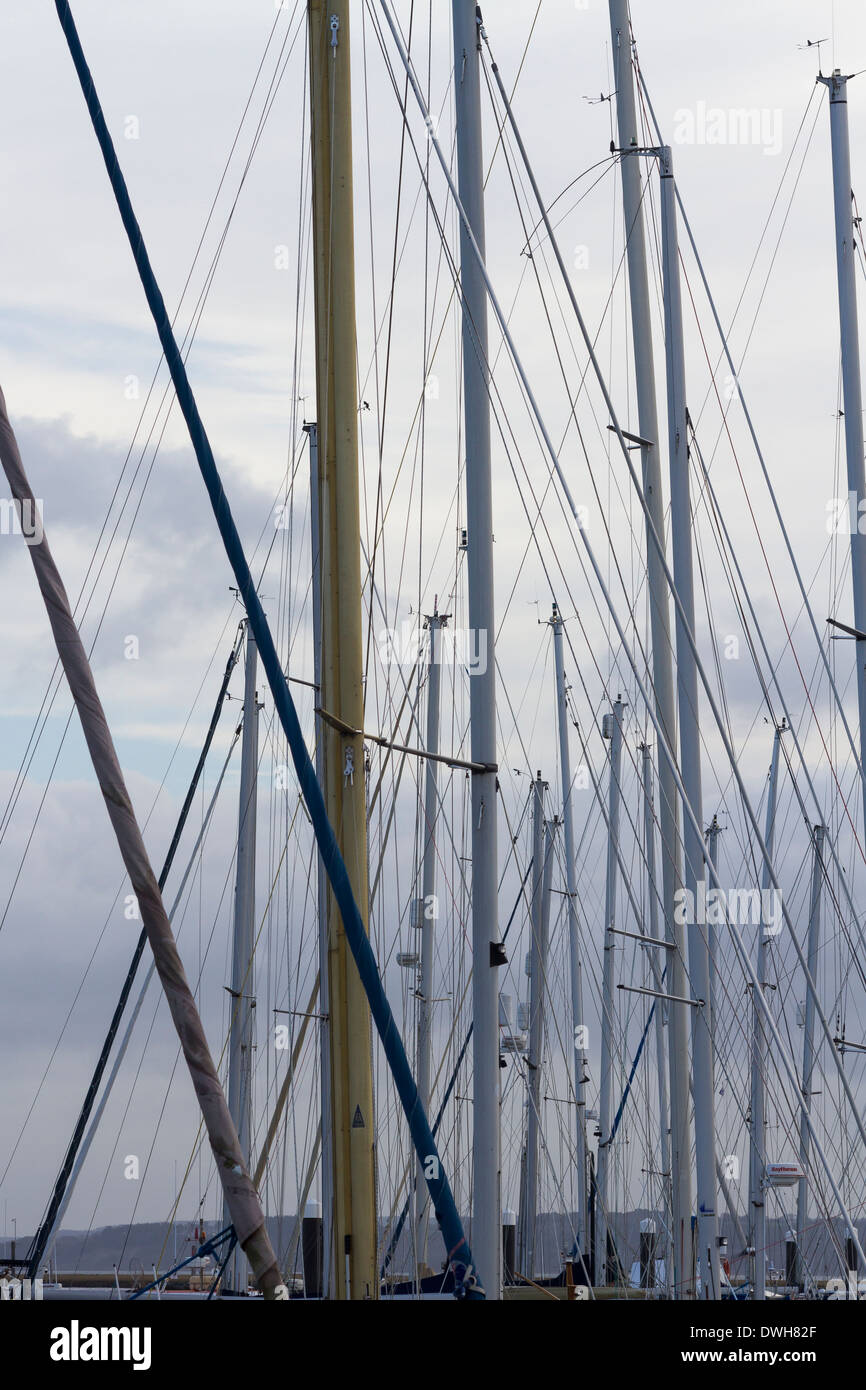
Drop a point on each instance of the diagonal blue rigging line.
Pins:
(634, 1066)
(467, 1282)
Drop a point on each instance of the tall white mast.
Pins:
(757, 1129)
(574, 949)
(690, 742)
(428, 910)
(605, 1257)
(661, 1067)
(812, 946)
(714, 830)
(852, 397)
(243, 982)
(486, 948)
(542, 867)
(662, 650)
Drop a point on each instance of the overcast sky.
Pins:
(78, 353)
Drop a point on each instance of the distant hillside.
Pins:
(139, 1247)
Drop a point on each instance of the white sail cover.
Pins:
(241, 1196)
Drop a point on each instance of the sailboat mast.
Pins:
(542, 863)
(243, 943)
(353, 1252)
(812, 946)
(487, 950)
(606, 1263)
(690, 743)
(574, 951)
(429, 908)
(757, 1126)
(714, 830)
(327, 1178)
(661, 1060)
(852, 396)
(662, 650)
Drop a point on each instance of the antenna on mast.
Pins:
(813, 43)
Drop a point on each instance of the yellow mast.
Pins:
(353, 1254)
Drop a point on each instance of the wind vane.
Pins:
(813, 43)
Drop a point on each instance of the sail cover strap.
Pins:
(467, 1283)
(241, 1197)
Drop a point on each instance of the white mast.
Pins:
(662, 650)
(542, 868)
(526, 1180)
(690, 742)
(243, 983)
(574, 950)
(428, 910)
(809, 1041)
(852, 398)
(664, 1120)
(757, 1135)
(486, 948)
(605, 1257)
(714, 830)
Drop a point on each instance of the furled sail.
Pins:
(243, 1202)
